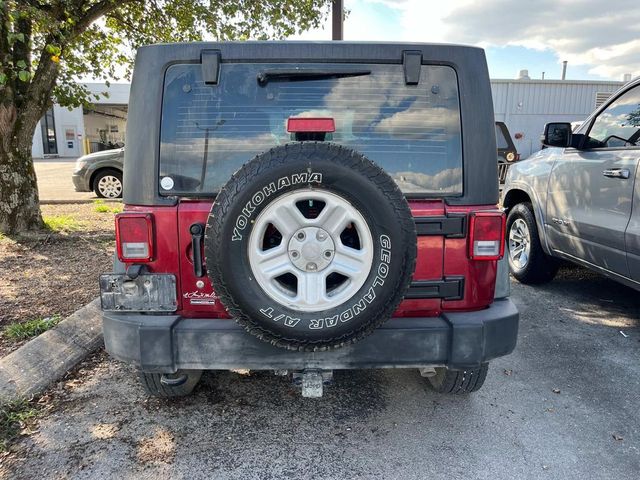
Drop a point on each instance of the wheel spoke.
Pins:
(349, 261)
(312, 288)
(517, 249)
(274, 262)
(287, 219)
(334, 219)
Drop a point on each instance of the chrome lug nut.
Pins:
(295, 254)
(321, 236)
(311, 266)
(300, 235)
(327, 254)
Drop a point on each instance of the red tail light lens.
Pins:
(486, 235)
(311, 125)
(134, 237)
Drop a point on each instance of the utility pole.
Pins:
(337, 25)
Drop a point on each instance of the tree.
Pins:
(45, 46)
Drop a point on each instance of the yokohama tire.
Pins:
(384, 233)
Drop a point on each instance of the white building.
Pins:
(64, 132)
(524, 105)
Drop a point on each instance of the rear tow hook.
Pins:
(312, 381)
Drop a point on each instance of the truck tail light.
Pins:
(486, 235)
(134, 237)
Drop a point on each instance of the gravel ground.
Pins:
(57, 273)
(564, 405)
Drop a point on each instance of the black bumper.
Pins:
(166, 343)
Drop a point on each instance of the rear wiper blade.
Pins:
(299, 74)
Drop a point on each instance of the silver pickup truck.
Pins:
(579, 199)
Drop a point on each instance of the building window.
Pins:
(48, 126)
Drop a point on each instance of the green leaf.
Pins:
(21, 64)
(53, 49)
(23, 75)
(3, 78)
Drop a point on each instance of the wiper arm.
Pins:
(298, 74)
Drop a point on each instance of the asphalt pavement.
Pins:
(564, 405)
(54, 180)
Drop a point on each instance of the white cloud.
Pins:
(604, 36)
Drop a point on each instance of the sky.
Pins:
(599, 39)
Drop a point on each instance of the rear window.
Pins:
(411, 131)
(501, 140)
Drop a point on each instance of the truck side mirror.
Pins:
(557, 134)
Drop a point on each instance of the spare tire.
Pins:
(310, 246)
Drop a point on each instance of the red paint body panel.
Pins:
(428, 262)
(194, 212)
(479, 275)
(438, 258)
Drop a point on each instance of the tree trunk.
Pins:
(19, 203)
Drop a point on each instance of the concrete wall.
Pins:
(526, 105)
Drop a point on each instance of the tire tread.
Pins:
(266, 161)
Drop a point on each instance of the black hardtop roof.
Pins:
(145, 105)
(312, 49)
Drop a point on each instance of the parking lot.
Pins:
(563, 405)
(54, 180)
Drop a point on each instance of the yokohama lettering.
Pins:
(261, 195)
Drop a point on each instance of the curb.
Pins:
(46, 358)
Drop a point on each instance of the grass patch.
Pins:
(32, 328)
(101, 207)
(62, 223)
(14, 417)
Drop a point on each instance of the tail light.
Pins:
(486, 235)
(134, 237)
(310, 125)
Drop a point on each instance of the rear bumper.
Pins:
(166, 343)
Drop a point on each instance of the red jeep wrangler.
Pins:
(337, 200)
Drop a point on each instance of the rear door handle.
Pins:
(197, 232)
(616, 173)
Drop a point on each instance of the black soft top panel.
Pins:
(143, 123)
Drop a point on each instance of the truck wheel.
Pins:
(156, 387)
(108, 184)
(527, 260)
(310, 246)
(458, 382)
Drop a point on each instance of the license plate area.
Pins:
(150, 292)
